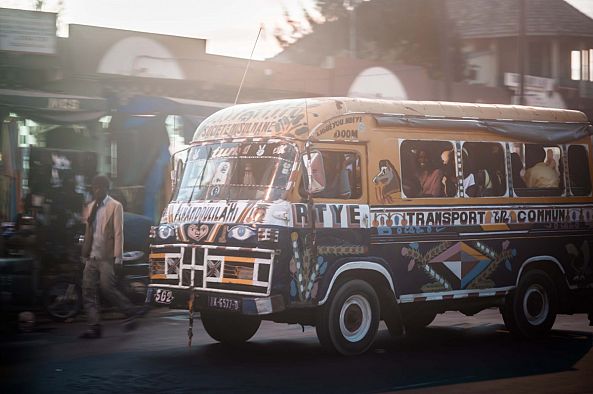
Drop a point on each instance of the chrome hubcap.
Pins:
(536, 305)
(355, 318)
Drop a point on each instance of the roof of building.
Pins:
(499, 18)
(472, 19)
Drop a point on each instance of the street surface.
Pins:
(455, 354)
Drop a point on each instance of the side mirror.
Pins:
(313, 162)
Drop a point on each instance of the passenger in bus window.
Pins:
(248, 177)
(483, 169)
(539, 175)
(410, 183)
(550, 161)
(517, 170)
(430, 178)
(449, 176)
(337, 175)
(475, 177)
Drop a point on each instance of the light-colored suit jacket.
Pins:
(112, 229)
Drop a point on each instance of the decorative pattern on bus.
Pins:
(217, 212)
(459, 265)
(489, 217)
(331, 215)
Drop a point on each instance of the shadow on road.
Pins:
(437, 356)
(283, 360)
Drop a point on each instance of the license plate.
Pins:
(163, 296)
(227, 304)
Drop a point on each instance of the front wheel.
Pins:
(348, 323)
(531, 311)
(229, 329)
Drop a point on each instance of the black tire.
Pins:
(531, 310)
(62, 300)
(417, 320)
(229, 329)
(348, 323)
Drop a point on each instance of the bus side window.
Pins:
(484, 173)
(541, 172)
(578, 170)
(343, 175)
(428, 169)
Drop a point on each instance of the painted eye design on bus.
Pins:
(241, 233)
(166, 231)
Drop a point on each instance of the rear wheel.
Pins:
(531, 311)
(230, 329)
(348, 323)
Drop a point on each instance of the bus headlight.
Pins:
(166, 231)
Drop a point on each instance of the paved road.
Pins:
(456, 354)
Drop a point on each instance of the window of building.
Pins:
(484, 169)
(536, 170)
(578, 170)
(581, 65)
(428, 168)
(343, 175)
(539, 59)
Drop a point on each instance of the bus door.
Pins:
(334, 224)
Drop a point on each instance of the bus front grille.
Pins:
(214, 268)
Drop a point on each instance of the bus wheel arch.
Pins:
(380, 278)
(373, 272)
(552, 267)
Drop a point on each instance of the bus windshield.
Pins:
(237, 171)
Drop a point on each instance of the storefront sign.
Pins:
(27, 31)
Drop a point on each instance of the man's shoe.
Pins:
(91, 333)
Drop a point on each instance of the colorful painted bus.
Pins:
(341, 212)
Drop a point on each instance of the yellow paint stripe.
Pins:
(156, 256)
(246, 211)
(237, 281)
(213, 233)
(237, 259)
(182, 235)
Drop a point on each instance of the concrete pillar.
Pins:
(555, 59)
(495, 64)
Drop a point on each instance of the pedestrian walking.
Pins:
(102, 251)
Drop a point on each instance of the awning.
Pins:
(52, 108)
(540, 132)
(146, 105)
(193, 112)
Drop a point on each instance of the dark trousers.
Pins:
(100, 273)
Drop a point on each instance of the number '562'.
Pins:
(163, 296)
